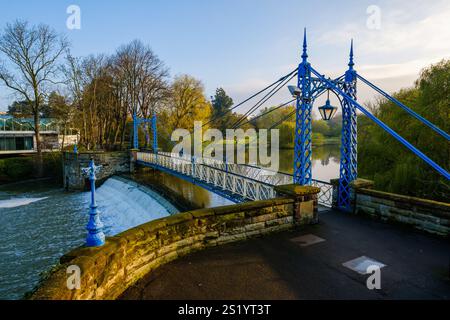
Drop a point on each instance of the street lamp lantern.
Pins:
(295, 91)
(327, 111)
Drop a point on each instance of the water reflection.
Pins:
(181, 193)
(325, 162)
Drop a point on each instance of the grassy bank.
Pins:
(24, 168)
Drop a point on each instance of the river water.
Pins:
(40, 221)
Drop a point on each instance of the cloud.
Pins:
(412, 36)
(413, 29)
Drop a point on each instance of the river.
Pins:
(40, 221)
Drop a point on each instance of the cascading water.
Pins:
(124, 204)
(40, 223)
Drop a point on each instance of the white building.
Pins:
(17, 136)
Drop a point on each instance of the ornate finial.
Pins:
(351, 63)
(305, 47)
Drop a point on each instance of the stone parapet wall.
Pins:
(112, 163)
(107, 271)
(425, 215)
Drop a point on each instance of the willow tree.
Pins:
(29, 64)
(187, 103)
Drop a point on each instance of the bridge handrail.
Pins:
(325, 196)
(244, 165)
(209, 166)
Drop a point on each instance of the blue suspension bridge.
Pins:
(241, 182)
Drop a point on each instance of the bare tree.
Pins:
(144, 77)
(31, 63)
(74, 79)
(107, 90)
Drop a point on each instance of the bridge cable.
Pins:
(404, 107)
(385, 127)
(251, 97)
(248, 99)
(263, 100)
(269, 111)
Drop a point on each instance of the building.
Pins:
(17, 135)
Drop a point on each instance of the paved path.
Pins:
(279, 267)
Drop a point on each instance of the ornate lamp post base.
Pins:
(95, 237)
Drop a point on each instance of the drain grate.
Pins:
(307, 240)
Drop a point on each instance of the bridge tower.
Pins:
(349, 139)
(153, 123)
(308, 89)
(303, 122)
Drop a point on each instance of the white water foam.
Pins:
(123, 206)
(18, 202)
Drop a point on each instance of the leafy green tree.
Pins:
(20, 109)
(221, 105)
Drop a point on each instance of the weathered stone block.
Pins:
(263, 218)
(231, 238)
(279, 221)
(255, 226)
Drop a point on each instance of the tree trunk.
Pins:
(39, 168)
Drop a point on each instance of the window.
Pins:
(16, 143)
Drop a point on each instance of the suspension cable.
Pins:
(385, 127)
(267, 112)
(404, 107)
(250, 98)
(264, 100)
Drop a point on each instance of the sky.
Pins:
(244, 45)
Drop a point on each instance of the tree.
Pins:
(221, 107)
(20, 109)
(272, 116)
(142, 77)
(30, 67)
(187, 103)
(60, 110)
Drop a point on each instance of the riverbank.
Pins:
(20, 169)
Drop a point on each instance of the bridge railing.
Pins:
(249, 181)
(228, 181)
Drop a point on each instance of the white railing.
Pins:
(213, 174)
(247, 181)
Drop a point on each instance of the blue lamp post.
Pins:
(95, 237)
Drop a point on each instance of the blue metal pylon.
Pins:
(155, 134)
(135, 131)
(136, 123)
(303, 128)
(349, 163)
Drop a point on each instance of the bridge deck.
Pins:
(278, 267)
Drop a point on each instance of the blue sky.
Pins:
(242, 45)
